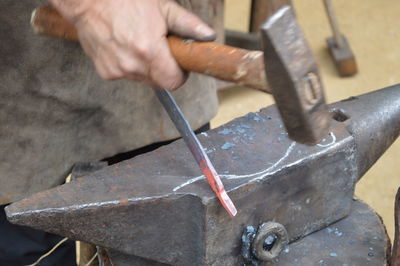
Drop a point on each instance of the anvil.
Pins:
(158, 206)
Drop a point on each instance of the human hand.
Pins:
(127, 38)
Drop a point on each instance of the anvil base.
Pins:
(359, 239)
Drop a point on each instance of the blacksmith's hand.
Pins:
(126, 39)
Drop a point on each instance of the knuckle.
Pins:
(143, 50)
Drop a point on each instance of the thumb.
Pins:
(185, 24)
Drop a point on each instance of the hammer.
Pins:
(339, 47)
(301, 104)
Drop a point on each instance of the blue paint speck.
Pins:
(250, 136)
(335, 231)
(338, 233)
(269, 240)
(256, 118)
(227, 146)
(240, 129)
(370, 254)
(333, 254)
(321, 261)
(371, 248)
(329, 230)
(225, 131)
(286, 250)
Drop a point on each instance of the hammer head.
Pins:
(293, 74)
(342, 56)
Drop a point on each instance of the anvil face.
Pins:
(159, 206)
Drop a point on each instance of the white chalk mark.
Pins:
(263, 172)
(258, 175)
(255, 176)
(190, 181)
(328, 144)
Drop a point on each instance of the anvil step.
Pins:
(158, 206)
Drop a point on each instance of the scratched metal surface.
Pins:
(162, 200)
(158, 206)
(359, 239)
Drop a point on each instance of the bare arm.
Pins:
(127, 38)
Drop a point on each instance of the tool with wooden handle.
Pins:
(220, 61)
(339, 46)
(236, 65)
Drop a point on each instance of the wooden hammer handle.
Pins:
(220, 61)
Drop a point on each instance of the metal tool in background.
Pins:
(293, 74)
(261, 10)
(224, 62)
(166, 213)
(339, 46)
(196, 149)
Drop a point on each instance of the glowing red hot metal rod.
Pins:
(196, 149)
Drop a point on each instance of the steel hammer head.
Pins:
(293, 75)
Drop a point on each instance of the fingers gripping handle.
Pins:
(220, 61)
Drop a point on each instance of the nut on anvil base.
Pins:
(166, 212)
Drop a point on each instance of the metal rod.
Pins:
(195, 147)
(334, 24)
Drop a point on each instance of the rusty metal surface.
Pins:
(293, 75)
(158, 206)
(359, 239)
(396, 242)
(374, 121)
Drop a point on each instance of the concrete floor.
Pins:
(372, 28)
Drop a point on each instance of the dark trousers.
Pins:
(21, 245)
